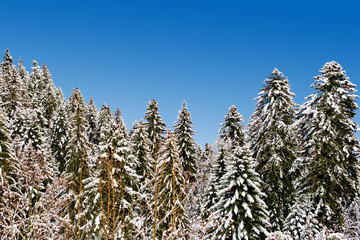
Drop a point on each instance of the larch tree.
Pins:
(274, 144)
(330, 162)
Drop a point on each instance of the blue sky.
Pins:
(213, 54)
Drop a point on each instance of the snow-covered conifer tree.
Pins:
(231, 135)
(77, 158)
(91, 117)
(5, 148)
(120, 122)
(155, 128)
(274, 144)
(141, 149)
(12, 90)
(331, 173)
(58, 138)
(241, 207)
(173, 220)
(184, 137)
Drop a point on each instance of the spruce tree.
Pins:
(145, 170)
(184, 137)
(231, 135)
(155, 129)
(120, 121)
(58, 138)
(105, 123)
(330, 160)
(241, 207)
(173, 220)
(5, 152)
(91, 117)
(77, 158)
(48, 95)
(12, 91)
(274, 144)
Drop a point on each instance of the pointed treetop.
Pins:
(7, 59)
(35, 63)
(91, 102)
(276, 71)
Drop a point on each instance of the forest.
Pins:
(69, 170)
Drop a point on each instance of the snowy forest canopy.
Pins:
(71, 171)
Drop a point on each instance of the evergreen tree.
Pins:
(141, 149)
(11, 88)
(242, 209)
(58, 138)
(24, 78)
(184, 137)
(78, 159)
(301, 223)
(5, 154)
(105, 123)
(231, 131)
(155, 129)
(173, 220)
(91, 117)
(330, 146)
(120, 122)
(274, 144)
(49, 98)
(231, 135)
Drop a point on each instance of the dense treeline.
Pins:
(71, 171)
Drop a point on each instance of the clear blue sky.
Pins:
(213, 54)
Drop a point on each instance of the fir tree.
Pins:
(184, 137)
(274, 144)
(330, 146)
(242, 209)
